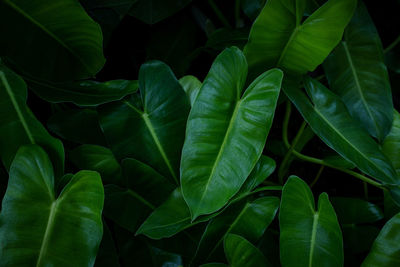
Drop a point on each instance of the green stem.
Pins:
(392, 45)
(219, 14)
(321, 169)
(289, 152)
(366, 195)
(285, 124)
(350, 172)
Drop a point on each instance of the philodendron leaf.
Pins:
(153, 11)
(152, 131)
(328, 117)
(241, 253)
(391, 143)
(191, 85)
(226, 132)
(77, 125)
(39, 228)
(54, 40)
(18, 125)
(173, 215)
(279, 39)
(357, 73)
(386, 249)
(83, 93)
(249, 221)
(308, 237)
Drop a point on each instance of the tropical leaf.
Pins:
(391, 143)
(308, 237)
(226, 132)
(52, 238)
(54, 40)
(357, 73)
(191, 85)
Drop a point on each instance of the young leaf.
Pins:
(386, 249)
(54, 40)
(241, 253)
(39, 228)
(18, 125)
(279, 39)
(155, 133)
(357, 73)
(249, 221)
(308, 237)
(226, 132)
(328, 117)
(83, 93)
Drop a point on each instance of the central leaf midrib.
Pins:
(16, 107)
(290, 40)
(345, 139)
(358, 85)
(221, 149)
(52, 35)
(141, 199)
(153, 134)
(313, 238)
(47, 233)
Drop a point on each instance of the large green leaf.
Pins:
(191, 85)
(308, 237)
(151, 130)
(39, 228)
(83, 93)
(357, 73)
(391, 143)
(386, 249)
(77, 125)
(226, 132)
(356, 211)
(249, 221)
(153, 11)
(54, 40)
(173, 215)
(279, 39)
(329, 119)
(241, 253)
(18, 125)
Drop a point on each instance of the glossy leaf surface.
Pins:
(357, 73)
(391, 143)
(151, 129)
(386, 249)
(329, 119)
(356, 211)
(191, 85)
(50, 40)
(226, 132)
(52, 238)
(279, 39)
(308, 236)
(84, 93)
(18, 125)
(241, 252)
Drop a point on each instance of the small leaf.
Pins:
(191, 85)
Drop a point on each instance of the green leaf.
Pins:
(54, 40)
(249, 221)
(225, 37)
(18, 125)
(279, 39)
(328, 117)
(308, 237)
(83, 93)
(173, 215)
(386, 249)
(97, 158)
(152, 131)
(191, 85)
(356, 211)
(252, 8)
(107, 255)
(391, 143)
(222, 125)
(357, 73)
(153, 11)
(77, 125)
(241, 252)
(39, 228)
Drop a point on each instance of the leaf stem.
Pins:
(392, 45)
(237, 14)
(321, 169)
(285, 124)
(219, 14)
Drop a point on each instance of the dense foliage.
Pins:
(175, 133)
